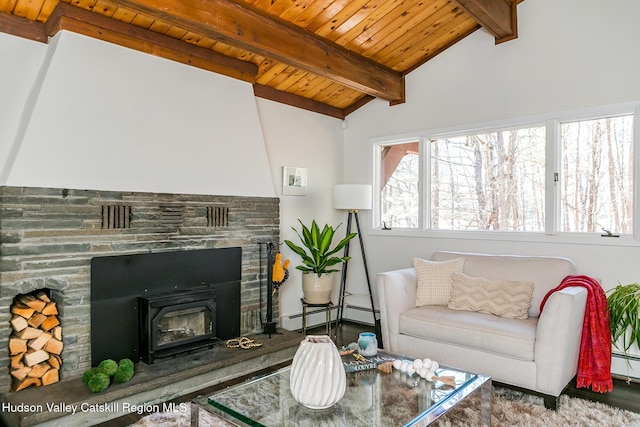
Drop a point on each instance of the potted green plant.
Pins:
(624, 316)
(318, 258)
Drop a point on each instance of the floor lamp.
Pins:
(352, 198)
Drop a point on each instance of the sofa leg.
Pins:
(551, 402)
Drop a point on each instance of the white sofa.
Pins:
(539, 353)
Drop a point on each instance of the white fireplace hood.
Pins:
(99, 116)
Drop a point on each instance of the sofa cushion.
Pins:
(486, 332)
(504, 298)
(545, 272)
(434, 280)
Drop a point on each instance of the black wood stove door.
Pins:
(176, 322)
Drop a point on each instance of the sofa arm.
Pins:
(396, 294)
(558, 338)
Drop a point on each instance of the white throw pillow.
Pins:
(434, 280)
(504, 298)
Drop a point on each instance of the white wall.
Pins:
(82, 113)
(569, 55)
(299, 138)
(104, 117)
(21, 60)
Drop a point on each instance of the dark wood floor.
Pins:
(624, 396)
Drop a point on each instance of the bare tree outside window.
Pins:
(400, 185)
(597, 175)
(489, 181)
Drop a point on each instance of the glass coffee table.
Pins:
(372, 398)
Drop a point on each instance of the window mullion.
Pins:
(552, 185)
(636, 173)
(425, 181)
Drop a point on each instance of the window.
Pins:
(489, 181)
(400, 178)
(555, 176)
(597, 175)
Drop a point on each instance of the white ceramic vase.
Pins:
(317, 289)
(317, 379)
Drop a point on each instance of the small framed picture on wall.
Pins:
(294, 181)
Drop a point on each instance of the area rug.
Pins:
(509, 408)
(181, 419)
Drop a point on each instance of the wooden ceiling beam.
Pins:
(499, 17)
(239, 24)
(22, 27)
(294, 100)
(81, 21)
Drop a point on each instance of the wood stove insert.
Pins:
(119, 283)
(176, 322)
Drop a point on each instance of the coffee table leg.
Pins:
(195, 414)
(485, 403)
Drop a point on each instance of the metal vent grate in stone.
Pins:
(171, 216)
(217, 216)
(116, 216)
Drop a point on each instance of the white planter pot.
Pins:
(317, 379)
(317, 289)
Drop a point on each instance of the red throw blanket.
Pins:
(594, 362)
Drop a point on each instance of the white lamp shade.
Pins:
(352, 196)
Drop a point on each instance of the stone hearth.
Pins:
(48, 237)
(150, 387)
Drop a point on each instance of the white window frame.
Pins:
(377, 186)
(552, 231)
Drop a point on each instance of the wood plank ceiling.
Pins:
(327, 56)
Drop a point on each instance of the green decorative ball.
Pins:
(98, 383)
(127, 362)
(86, 376)
(123, 374)
(108, 367)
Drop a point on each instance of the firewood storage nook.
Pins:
(35, 343)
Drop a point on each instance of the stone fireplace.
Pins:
(49, 236)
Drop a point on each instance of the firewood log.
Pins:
(27, 382)
(49, 309)
(29, 333)
(33, 302)
(49, 323)
(54, 346)
(18, 323)
(55, 361)
(16, 361)
(21, 373)
(34, 357)
(38, 343)
(22, 310)
(57, 333)
(37, 371)
(36, 320)
(17, 345)
(50, 377)
(43, 297)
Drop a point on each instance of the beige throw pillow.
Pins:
(434, 280)
(504, 298)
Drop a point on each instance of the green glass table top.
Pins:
(372, 398)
